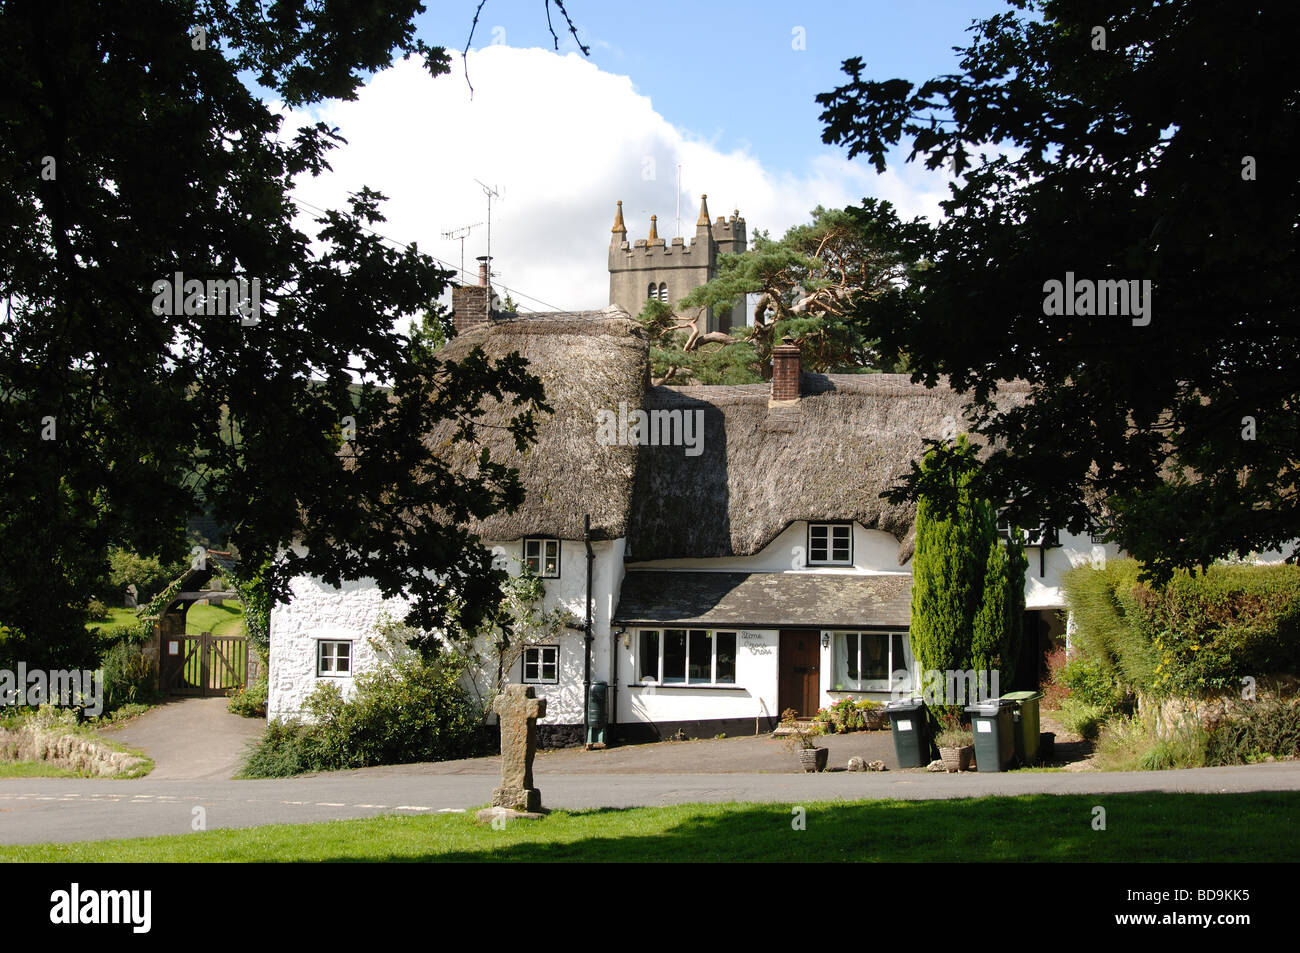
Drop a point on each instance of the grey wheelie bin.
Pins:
(911, 733)
(991, 723)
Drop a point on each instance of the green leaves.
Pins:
(1124, 163)
(967, 584)
(304, 432)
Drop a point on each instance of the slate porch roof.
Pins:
(765, 599)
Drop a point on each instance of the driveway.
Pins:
(190, 739)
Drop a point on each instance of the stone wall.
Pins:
(67, 750)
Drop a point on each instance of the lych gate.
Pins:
(202, 664)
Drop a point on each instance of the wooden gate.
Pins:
(203, 664)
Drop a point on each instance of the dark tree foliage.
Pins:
(130, 150)
(1160, 150)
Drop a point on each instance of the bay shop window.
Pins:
(686, 657)
(866, 661)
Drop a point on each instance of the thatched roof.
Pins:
(827, 457)
(587, 361)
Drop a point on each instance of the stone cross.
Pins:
(518, 712)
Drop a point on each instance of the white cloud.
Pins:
(562, 140)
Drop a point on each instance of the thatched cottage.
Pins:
(731, 545)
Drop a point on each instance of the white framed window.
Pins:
(541, 665)
(333, 657)
(663, 292)
(652, 292)
(686, 657)
(1044, 536)
(542, 557)
(867, 661)
(830, 544)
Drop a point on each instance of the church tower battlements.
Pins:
(650, 268)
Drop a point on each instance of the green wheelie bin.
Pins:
(1025, 725)
(911, 733)
(991, 723)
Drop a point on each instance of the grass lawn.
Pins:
(116, 616)
(33, 769)
(1042, 827)
(225, 619)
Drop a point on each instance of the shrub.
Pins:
(1081, 718)
(96, 611)
(250, 701)
(1267, 727)
(285, 748)
(1199, 633)
(1090, 681)
(413, 710)
(1055, 691)
(128, 675)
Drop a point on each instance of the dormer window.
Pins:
(542, 557)
(830, 544)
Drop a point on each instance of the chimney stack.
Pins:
(785, 371)
(471, 304)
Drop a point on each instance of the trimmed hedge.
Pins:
(1202, 632)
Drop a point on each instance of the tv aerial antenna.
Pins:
(491, 192)
(461, 233)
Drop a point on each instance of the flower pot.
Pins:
(814, 759)
(957, 759)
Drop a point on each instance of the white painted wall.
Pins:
(319, 611)
(873, 551)
(756, 677)
(1045, 592)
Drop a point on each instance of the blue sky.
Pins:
(719, 89)
(727, 71)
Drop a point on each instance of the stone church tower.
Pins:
(652, 268)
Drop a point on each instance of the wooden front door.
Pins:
(798, 680)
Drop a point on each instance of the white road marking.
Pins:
(408, 807)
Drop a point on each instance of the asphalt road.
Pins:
(35, 810)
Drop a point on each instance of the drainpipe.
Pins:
(613, 677)
(588, 637)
